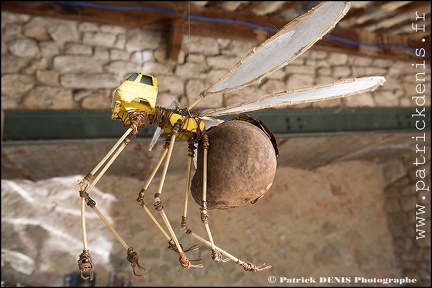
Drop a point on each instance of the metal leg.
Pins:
(191, 152)
(141, 194)
(174, 243)
(85, 263)
(216, 255)
(248, 266)
(140, 200)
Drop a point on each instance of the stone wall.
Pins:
(58, 64)
(409, 214)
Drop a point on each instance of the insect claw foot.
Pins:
(248, 266)
(262, 267)
(133, 258)
(141, 268)
(85, 265)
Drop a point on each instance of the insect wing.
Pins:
(341, 88)
(290, 42)
(158, 132)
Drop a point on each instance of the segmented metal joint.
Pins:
(176, 129)
(84, 182)
(184, 226)
(216, 255)
(167, 141)
(172, 245)
(184, 261)
(158, 204)
(83, 194)
(90, 202)
(191, 148)
(140, 197)
(203, 211)
(138, 119)
(205, 141)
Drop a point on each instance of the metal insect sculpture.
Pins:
(134, 103)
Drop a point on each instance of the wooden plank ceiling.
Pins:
(380, 29)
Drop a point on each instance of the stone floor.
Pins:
(327, 222)
(324, 216)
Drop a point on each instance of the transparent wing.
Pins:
(341, 88)
(290, 42)
(158, 132)
(210, 121)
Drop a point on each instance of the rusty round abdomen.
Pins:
(241, 165)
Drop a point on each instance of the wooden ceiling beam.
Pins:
(359, 12)
(401, 24)
(247, 8)
(163, 15)
(409, 9)
(176, 35)
(115, 13)
(392, 47)
(214, 4)
(286, 6)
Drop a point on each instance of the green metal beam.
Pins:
(91, 124)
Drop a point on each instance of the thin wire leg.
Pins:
(85, 181)
(184, 261)
(120, 141)
(191, 152)
(85, 192)
(171, 243)
(248, 266)
(216, 255)
(85, 263)
(141, 195)
(158, 204)
(140, 198)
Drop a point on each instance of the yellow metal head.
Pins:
(138, 92)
